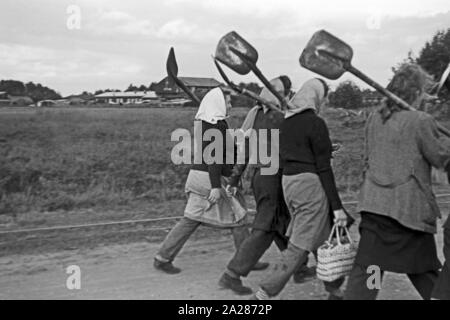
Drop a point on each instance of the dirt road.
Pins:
(125, 272)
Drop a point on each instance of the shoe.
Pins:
(305, 274)
(235, 285)
(259, 266)
(166, 267)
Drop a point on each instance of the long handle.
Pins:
(172, 72)
(397, 100)
(184, 88)
(225, 77)
(403, 104)
(260, 76)
(243, 91)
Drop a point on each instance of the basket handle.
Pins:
(335, 231)
(345, 229)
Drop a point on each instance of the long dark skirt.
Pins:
(395, 248)
(272, 212)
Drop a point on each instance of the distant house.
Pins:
(81, 99)
(4, 99)
(150, 96)
(46, 103)
(167, 89)
(123, 98)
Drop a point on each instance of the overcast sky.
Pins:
(123, 42)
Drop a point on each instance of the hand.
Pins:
(231, 191)
(214, 195)
(340, 218)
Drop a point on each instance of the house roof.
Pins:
(200, 82)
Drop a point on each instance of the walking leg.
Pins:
(176, 239)
(442, 288)
(244, 260)
(292, 257)
(357, 286)
(249, 253)
(239, 235)
(424, 283)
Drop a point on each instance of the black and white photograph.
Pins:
(244, 151)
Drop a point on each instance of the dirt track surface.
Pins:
(126, 272)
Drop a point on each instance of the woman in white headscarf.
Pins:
(308, 186)
(207, 202)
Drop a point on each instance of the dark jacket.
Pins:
(215, 170)
(305, 147)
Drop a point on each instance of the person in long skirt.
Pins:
(308, 185)
(207, 200)
(398, 208)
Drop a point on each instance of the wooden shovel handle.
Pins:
(397, 100)
(260, 76)
(244, 91)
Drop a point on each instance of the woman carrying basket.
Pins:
(308, 185)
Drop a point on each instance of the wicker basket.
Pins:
(336, 256)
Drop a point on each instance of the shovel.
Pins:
(331, 57)
(172, 72)
(244, 91)
(240, 56)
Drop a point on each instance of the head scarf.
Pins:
(267, 95)
(310, 96)
(213, 107)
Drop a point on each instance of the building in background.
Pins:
(120, 98)
(167, 89)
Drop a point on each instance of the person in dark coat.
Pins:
(272, 215)
(398, 208)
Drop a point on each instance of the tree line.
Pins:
(36, 92)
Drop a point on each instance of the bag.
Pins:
(335, 257)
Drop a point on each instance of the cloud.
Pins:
(181, 29)
(38, 64)
(118, 22)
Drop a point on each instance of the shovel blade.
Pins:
(326, 55)
(225, 55)
(172, 67)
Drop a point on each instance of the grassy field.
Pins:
(109, 160)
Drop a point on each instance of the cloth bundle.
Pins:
(227, 212)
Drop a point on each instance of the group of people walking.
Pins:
(297, 206)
